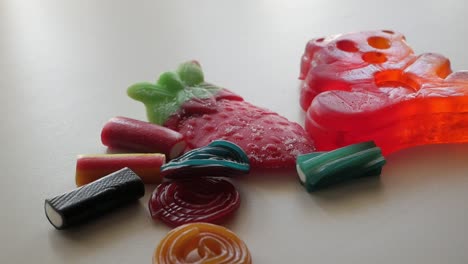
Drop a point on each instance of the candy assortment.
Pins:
(366, 94)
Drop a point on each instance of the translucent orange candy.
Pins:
(371, 86)
(201, 243)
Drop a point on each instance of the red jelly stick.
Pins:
(92, 167)
(194, 200)
(139, 136)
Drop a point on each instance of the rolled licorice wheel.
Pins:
(322, 169)
(184, 201)
(219, 158)
(201, 243)
(93, 200)
(92, 167)
(139, 136)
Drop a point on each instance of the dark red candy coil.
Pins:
(185, 201)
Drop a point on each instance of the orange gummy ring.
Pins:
(201, 243)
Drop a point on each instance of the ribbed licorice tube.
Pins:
(94, 199)
(321, 169)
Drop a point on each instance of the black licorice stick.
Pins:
(94, 199)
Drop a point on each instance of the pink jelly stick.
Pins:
(139, 136)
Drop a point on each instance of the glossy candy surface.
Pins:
(194, 200)
(95, 199)
(139, 136)
(371, 86)
(201, 243)
(92, 167)
(318, 170)
(204, 112)
(219, 158)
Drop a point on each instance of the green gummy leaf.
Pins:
(147, 92)
(171, 82)
(171, 91)
(190, 73)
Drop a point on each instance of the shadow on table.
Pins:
(354, 192)
(422, 165)
(406, 171)
(350, 196)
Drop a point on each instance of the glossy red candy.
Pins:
(139, 136)
(194, 200)
(371, 86)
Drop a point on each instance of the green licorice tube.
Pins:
(302, 158)
(313, 162)
(373, 168)
(320, 169)
(346, 164)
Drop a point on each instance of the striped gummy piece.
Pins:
(319, 170)
(219, 158)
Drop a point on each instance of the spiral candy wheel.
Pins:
(201, 243)
(194, 200)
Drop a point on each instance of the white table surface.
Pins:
(64, 70)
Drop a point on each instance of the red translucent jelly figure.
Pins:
(371, 86)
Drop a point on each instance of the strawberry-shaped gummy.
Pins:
(203, 112)
(371, 86)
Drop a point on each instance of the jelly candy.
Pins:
(139, 136)
(371, 86)
(194, 200)
(201, 243)
(92, 167)
(318, 170)
(203, 112)
(219, 158)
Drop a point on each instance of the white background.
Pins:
(64, 70)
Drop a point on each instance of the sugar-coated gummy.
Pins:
(204, 112)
